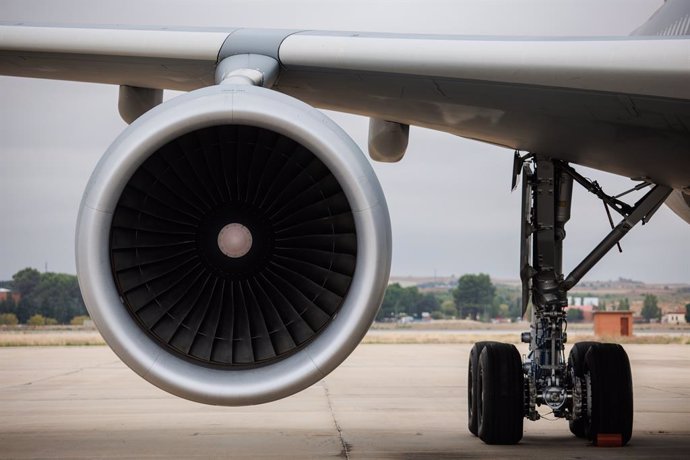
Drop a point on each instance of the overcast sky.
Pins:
(450, 203)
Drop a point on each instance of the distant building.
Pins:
(6, 294)
(674, 318)
(613, 323)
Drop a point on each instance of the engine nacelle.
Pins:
(679, 202)
(233, 245)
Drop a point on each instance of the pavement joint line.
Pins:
(662, 390)
(346, 450)
(64, 374)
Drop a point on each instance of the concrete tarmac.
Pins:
(385, 401)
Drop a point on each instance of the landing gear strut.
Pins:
(593, 388)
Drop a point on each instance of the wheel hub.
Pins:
(554, 397)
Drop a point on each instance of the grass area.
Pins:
(50, 338)
(40, 337)
(639, 339)
(393, 337)
(467, 338)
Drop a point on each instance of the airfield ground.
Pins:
(432, 332)
(386, 401)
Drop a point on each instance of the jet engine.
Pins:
(233, 245)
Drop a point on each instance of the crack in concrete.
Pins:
(345, 453)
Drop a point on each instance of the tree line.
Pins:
(474, 297)
(55, 297)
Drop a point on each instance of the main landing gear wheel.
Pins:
(609, 395)
(500, 400)
(472, 376)
(576, 366)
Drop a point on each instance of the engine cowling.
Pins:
(233, 245)
(679, 202)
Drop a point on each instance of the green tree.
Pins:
(503, 310)
(8, 306)
(650, 309)
(53, 295)
(506, 304)
(575, 314)
(398, 301)
(36, 320)
(474, 295)
(437, 314)
(687, 313)
(8, 319)
(25, 281)
(624, 305)
(79, 320)
(57, 296)
(426, 303)
(448, 309)
(516, 308)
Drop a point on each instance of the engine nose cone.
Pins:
(234, 240)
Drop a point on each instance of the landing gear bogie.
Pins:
(593, 388)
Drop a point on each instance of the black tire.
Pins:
(500, 396)
(611, 413)
(472, 385)
(576, 364)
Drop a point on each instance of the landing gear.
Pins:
(593, 389)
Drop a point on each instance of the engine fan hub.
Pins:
(235, 240)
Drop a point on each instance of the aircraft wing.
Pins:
(180, 59)
(604, 103)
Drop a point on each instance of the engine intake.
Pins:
(190, 202)
(233, 245)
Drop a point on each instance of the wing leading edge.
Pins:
(180, 59)
(651, 66)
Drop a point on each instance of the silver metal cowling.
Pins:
(235, 106)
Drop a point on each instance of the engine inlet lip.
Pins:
(255, 107)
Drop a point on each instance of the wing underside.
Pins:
(617, 104)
